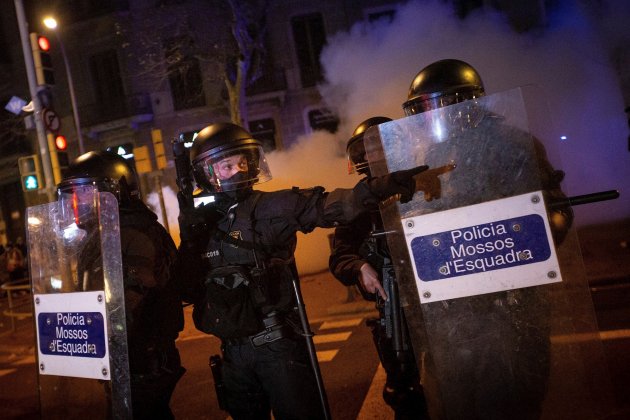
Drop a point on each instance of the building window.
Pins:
(108, 83)
(323, 119)
(184, 74)
(264, 130)
(310, 37)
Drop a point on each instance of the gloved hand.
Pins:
(560, 223)
(399, 182)
(192, 223)
(560, 211)
(430, 183)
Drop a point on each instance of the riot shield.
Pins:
(496, 299)
(76, 270)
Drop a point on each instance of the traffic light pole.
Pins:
(73, 100)
(37, 114)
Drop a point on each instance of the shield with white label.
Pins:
(76, 270)
(494, 294)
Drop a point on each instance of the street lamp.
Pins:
(51, 23)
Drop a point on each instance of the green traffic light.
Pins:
(30, 182)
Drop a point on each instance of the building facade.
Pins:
(148, 71)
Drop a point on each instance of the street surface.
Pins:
(348, 360)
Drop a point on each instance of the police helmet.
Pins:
(225, 157)
(443, 83)
(89, 174)
(355, 149)
(107, 171)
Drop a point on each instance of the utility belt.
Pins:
(276, 328)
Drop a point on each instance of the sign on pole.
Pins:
(15, 105)
(51, 121)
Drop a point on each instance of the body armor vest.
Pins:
(244, 280)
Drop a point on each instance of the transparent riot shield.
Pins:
(494, 294)
(76, 268)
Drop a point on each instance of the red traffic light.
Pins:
(61, 142)
(43, 42)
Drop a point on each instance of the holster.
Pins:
(276, 328)
(216, 366)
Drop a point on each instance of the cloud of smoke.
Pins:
(370, 67)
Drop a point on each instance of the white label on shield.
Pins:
(484, 248)
(72, 334)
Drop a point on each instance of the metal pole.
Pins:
(73, 101)
(37, 114)
(312, 353)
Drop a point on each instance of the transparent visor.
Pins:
(420, 105)
(235, 169)
(357, 161)
(78, 203)
(78, 210)
(449, 120)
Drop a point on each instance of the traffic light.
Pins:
(158, 148)
(57, 145)
(142, 159)
(30, 172)
(44, 73)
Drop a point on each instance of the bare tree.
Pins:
(249, 33)
(176, 47)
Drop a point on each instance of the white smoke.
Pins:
(314, 160)
(166, 204)
(369, 70)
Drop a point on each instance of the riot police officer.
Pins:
(360, 256)
(239, 253)
(492, 349)
(153, 306)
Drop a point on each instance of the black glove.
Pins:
(560, 211)
(399, 182)
(192, 223)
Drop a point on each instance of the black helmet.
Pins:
(225, 157)
(107, 171)
(355, 150)
(443, 83)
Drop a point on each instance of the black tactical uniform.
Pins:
(402, 391)
(239, 254)
(153, 306)
(153, 309)
(363, 242)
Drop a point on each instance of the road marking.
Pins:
(331, 338)
(4, 372)
(374, 407)
(614, 334)
(592, 336)
(195, 337)
(326, 355)
(341, 324)
(30, 360)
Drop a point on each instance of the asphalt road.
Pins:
(348, 360)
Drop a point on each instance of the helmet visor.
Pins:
(234, 169)
(357, 161)
(425, 103)
(78, 203)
